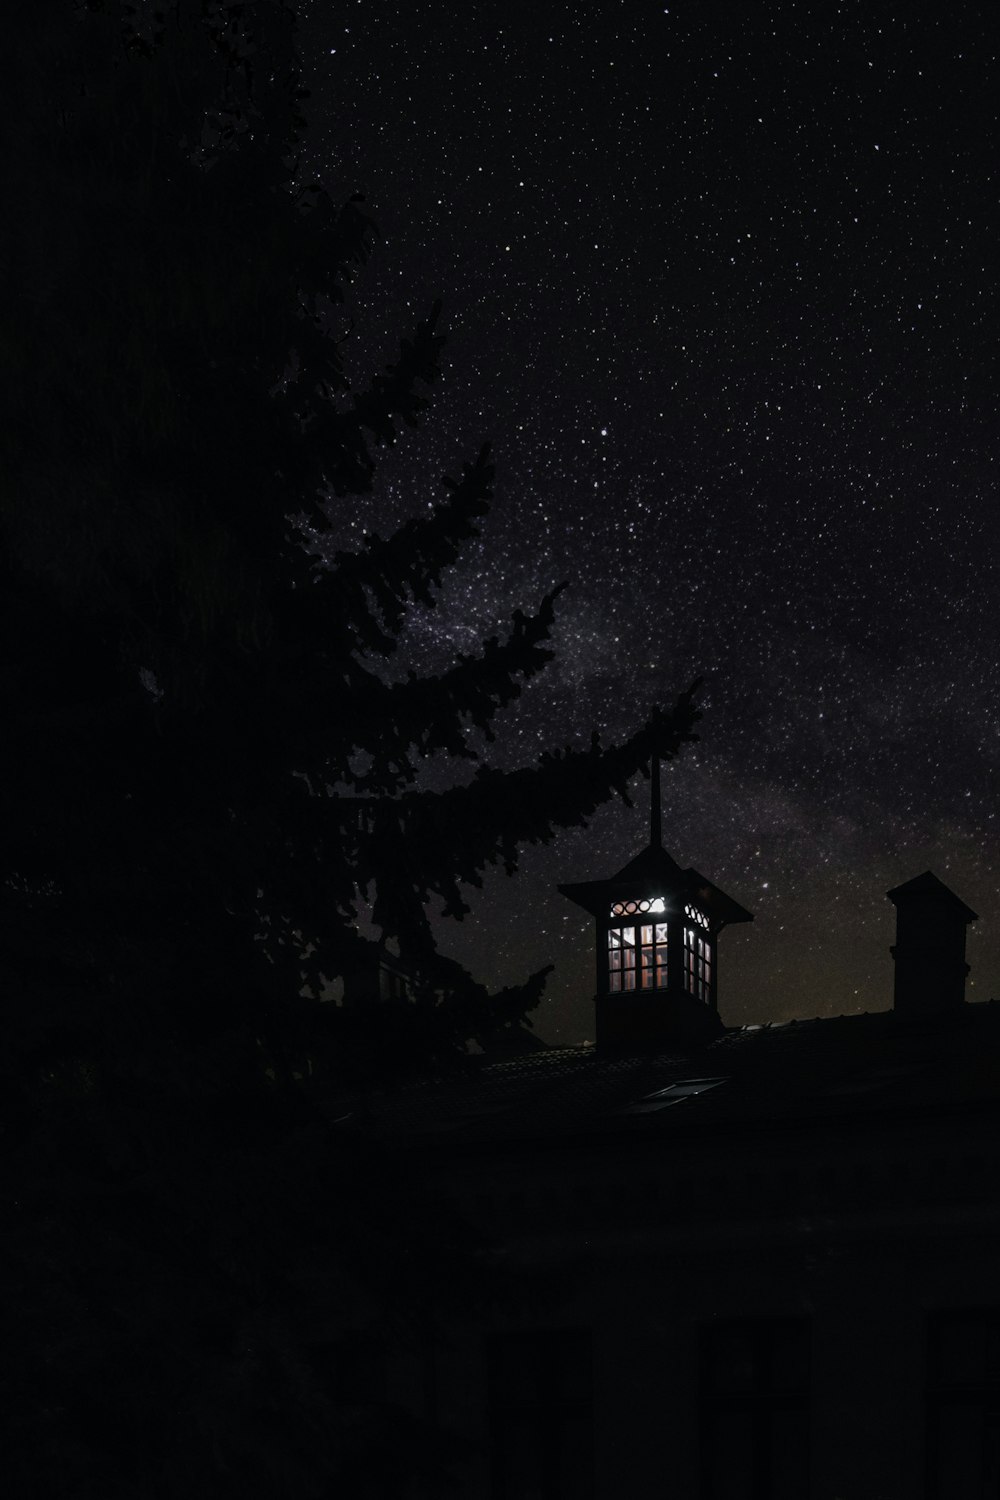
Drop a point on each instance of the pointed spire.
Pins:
(655, 811)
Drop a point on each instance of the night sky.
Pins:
(722, 293)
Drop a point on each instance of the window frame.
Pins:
(765, 1401)
(679, 954)
(979, 1393)
(546, 1422)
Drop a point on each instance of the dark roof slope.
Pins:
(823, 1068)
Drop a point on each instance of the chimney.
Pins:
(929, 950)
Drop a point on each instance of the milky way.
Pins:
(722, 293)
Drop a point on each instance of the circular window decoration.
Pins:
(636, 908)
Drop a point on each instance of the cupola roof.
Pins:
(654, 872)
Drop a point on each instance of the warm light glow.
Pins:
(634, 908)
(652, 961)
(621, 958)
(653, 956)
(697, 965)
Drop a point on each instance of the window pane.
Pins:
(354, 1365)
(540, 1414)
(690, 979)
(728, 1457)
(754, 1409)
(730, 1366)
(621, 957)
(787, 1357)
(963, 1405)
(960, 1455)
(574, 1456)
(962, 1349)
(788, 1450)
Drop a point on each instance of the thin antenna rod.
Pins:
(655, 818)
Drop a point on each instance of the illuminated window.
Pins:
(696, 916)
(697, 965)
(621, 958)
(653, 956)
(638, 908)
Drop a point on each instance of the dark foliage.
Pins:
(208, 772)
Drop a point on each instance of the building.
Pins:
(758, 1263)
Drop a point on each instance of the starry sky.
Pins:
(721, 290)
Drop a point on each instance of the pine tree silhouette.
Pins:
(185, 842)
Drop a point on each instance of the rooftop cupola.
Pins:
(929, 950)
(657, 927)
